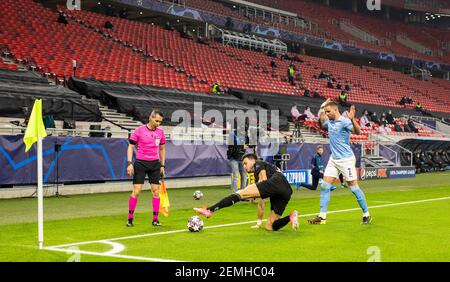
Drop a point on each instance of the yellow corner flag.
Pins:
(35, 127)
(164, 203)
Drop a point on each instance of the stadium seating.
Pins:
(117, 55)
(328, 20)
(7, 66)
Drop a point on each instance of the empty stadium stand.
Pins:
(328, 21)
(140, 54)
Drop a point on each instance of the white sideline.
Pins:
(59, 248)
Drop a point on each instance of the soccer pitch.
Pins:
(411, 222)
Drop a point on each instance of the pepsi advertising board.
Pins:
(387, 172)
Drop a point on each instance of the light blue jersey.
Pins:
(339, 132)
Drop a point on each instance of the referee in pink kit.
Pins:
(149, 140)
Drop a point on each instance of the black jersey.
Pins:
(271, 170)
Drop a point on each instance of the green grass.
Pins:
(411, 232)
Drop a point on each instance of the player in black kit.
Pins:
(270, 183)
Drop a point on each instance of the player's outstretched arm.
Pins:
(351, 115)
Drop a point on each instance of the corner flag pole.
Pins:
(40, 195)
(35, 132)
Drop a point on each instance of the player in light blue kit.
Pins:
(342, 159)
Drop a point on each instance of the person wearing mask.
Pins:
(374, 118)
(308, 113)
(364, 120)
(296, 115)
(412, 126)
(390, 118)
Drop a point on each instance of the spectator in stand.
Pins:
(108, 25)
(339, 86)
(347, 86)
(308, 113)
(429, 157)
(397, 127)
(364, 120)
(374, 118)
(323, 75)
(412, 126)
(382, 129)
(342, 99)
(390, 118)
(216, 88)
(273, 65)
(330, 84)
(62, 18)
(406, 100)
(383, 119)
(419, 161)
(291, 74)
(296, 115)
(168, 26)
(438, 162)
(316, 94)
(229, 23)
(123, 13)
(110, 10)
(307, 93)
(419, 107)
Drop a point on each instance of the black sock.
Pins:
(310, 187)
(225, 202)
(279, 223)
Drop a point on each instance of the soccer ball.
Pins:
(195, 224)
(198, 195)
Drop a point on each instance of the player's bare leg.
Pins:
(325, 189)
(250, 191)
(360, 197)
(155, 203)
(137, 189)
(271, 219)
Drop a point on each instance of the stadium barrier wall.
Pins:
(90, 159)
(78, 159)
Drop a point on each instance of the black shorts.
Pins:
(150, 168)
(278, 189)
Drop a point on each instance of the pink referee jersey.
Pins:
(147, 142)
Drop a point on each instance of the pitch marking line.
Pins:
(116, 247)
(107, 254)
